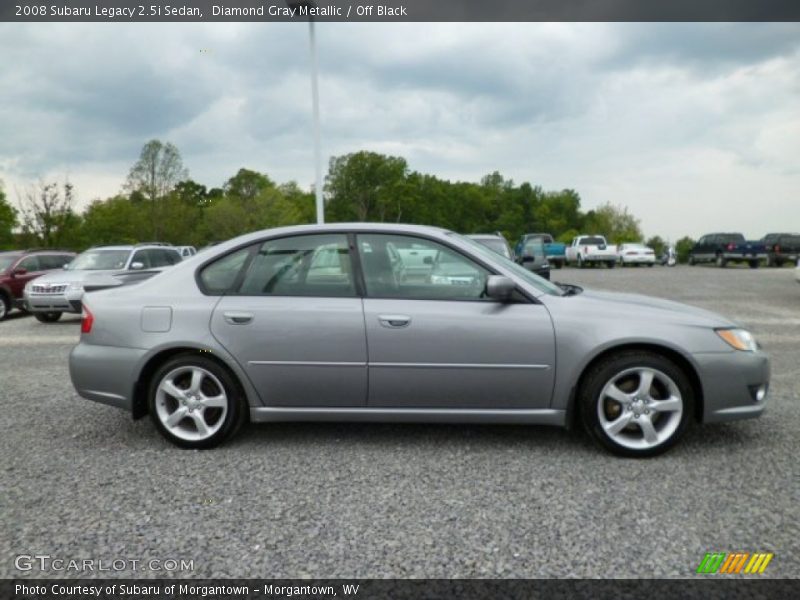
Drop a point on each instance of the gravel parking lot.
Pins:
(81, 480)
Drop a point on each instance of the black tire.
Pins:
(236, 404)
(692, 261)
(581, 264)
(5, 306)
(753, 264)
(611, 264)
(651, 265)
(558, 263)
(721, 262)
(778, 263)
(47, 317)
(605, 372)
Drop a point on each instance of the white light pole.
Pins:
(315, 102)
(296, 4)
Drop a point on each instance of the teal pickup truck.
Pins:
(555, 251)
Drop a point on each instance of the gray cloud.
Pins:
(640, 114)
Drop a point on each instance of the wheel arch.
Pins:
(671, 353)
(153, 362)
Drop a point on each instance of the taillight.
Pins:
(87, 320)
(731, 246)
(777, 249)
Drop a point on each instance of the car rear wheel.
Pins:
(581, 264)
(47, 317)
(753, 264)
(721, 262)
(195, 403)
(691, 261)
(611, 264)
(636, 404)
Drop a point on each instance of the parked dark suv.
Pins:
(782, 248)
(18, 267)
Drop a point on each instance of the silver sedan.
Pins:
(323, 323)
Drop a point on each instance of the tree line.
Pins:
(160, 202)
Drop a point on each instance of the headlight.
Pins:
(76, 286)
(738, 339)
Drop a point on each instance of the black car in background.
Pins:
(723, 248)
(782, 248)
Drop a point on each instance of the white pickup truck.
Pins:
(591, 250)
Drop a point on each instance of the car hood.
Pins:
(637, 306)
(63, 276)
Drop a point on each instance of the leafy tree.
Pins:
(364, 185)
(156, 173)
(47, 215)
(116, 220)
(657, 244)
(683, 246)
(247, 185)
(613, 222)
(8, 220)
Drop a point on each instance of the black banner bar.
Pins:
(414, 589)
(397, 10)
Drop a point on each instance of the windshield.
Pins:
(521, 272)
(495, 244)
(99, 260)
(7, 261)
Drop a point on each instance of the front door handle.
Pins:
(238, 318)
(394, 321)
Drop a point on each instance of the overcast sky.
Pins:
(693, 127)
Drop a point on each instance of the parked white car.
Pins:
(591, 250)
(636, 254)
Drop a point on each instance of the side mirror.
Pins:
(19, 271)
(428, 260)
(137, 266)
(499, 287)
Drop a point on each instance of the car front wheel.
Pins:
(5, 306)
(636, 404)
(195, 403)
(47, 317)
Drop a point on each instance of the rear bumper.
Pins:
(747, 256)
(105, 374)
(639, 260)
(730, 382)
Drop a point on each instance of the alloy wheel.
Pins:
(640, 408)
(191, 403)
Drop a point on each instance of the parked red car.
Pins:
(18, 267)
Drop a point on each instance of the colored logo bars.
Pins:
(734, 562)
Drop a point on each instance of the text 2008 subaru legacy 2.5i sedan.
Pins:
(325, 323)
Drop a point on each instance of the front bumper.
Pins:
(56, 302)
(105, 374)
(730, 381)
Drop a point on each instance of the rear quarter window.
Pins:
(220, 276)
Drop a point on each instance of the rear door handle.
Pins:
(394, 321)
(238, 318)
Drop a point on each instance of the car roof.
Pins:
(484, 236)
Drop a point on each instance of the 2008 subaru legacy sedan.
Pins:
(327, 322)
